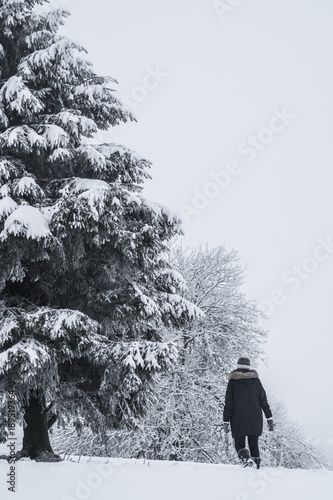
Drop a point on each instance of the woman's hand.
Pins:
(270, 424)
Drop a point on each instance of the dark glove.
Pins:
(270, 424)
(226, 427)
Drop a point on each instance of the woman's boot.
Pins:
(245, 458)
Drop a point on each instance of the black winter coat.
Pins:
(244, 401)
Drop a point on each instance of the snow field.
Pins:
(124, 479)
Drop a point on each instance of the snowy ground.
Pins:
(120, 479)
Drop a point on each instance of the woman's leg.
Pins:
(254, 446)
(239, 443)
(242, 452)
(254, 449)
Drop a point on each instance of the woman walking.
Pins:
(245, 401)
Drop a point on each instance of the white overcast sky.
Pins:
(203, 85)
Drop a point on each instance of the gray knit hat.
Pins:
(244, 361)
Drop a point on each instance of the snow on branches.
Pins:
(28, 222)
(36, 339)
(146, 355)
(17, 97)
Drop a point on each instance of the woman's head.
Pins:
(244, 362)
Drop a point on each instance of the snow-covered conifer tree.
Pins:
(84, 281)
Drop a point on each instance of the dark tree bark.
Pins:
(36, 442)
(52, 420)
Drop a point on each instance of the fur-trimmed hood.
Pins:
(243, 374)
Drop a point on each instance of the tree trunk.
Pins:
(36, 436)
